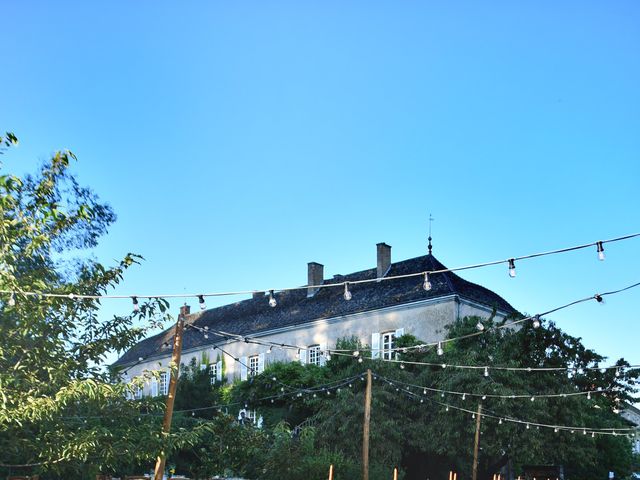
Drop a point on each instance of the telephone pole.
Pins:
(365, 430)
(474, 474)
(173, 384)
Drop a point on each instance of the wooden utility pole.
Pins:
(365, 430)
(331, 472)
(474, 473)
(173, 384)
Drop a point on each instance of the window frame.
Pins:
(253, 365)
(313, 354)
(163, 383)
(386, 348)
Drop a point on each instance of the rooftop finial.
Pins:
(431, 219)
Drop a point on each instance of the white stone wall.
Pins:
(426, 320)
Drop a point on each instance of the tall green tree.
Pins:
(60, 410)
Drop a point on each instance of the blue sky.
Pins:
(237, 141)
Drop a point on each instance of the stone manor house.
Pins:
(315, 318)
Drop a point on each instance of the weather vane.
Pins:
(431, 219)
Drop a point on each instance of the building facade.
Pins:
(315, 318)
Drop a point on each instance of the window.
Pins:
(213, 372)
(254, 365)
(138, 393)
(388, 344)
(164, 383)
(313, 355)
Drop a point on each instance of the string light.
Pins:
(427, 284)
(536, 321)
(136, 307)
(440, 349)
(347, 293)
(480, 326)
(512, 267)
(12, 300)
(331, 285)
(486, 372)
(272, 299)
(600, 251)
(270, 349)
(202, 303)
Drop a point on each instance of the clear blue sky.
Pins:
(239, 140)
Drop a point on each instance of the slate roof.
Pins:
(252, 316)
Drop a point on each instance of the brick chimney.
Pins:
(185, 310)
(315, 276)
(384, 259)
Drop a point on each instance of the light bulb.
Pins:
(480, 326)
(203, 305)
(427, 284)
(598, 298)
(512, 267)
(206, 335)
(272, 299)
(440, 349)
(328, 356)
(464, 396)
(617, 372)
(500, 422)
(12, 300)
(356, 353)
(528, 427)
(486, 371)
(555, 430)
(600, 251)
(536, 321)
(533, 399)
(442, 394)
(424, 391)
(402, 366)
(136, 307)
(347, 293)
(588, 395)
(270, 350)
(593, 434)
(447, 409)
(360, 360)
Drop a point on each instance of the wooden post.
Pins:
(331, 472)
(365, 429)
(474, 473)
(395, 473)
(171, 396)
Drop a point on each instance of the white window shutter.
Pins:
(154, 387)
(219, 371)
(203, 366)
(260, 363)
(323, 353)
(399, 332)
(243, 368)
(375, 345)
(303, 356)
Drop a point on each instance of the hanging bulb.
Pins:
(600, 251)
(360, 360)
(593, 435)
(442, 394)
(486, 371)
(617, 372)
(272, 299)
(484, 397)
(536, 321)
(427, 284)
(347, 293)
(203, 305)
(464, 396)
(12, 300)
(598, 298)
(447, 409)
(512, 267)
(480, 326)
(356, 353)
(328, 356)
(136, 307)
(533, 399)
(473, 415)
(270, 349)
(440, 349)
(584, 432)
(555, 430)
(206, 336)
(500, 422)
(402, 366)
(424, 391)
(588, 395)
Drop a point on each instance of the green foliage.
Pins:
(59, 410)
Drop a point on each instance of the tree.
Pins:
(59, 408)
